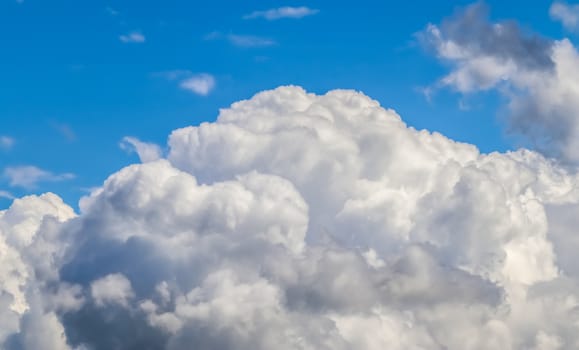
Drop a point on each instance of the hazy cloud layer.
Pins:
(537, 76)
(301, 221)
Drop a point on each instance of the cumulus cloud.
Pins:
(6, 143)
(282, 12)
(567, 14)
(200, 84)
(301, 221)
(29, 176)
(147, 152)
(535, 74)
(132, 37)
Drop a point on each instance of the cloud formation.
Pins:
(200, 84)
(134, 37)
(282, 12)
(301, 221)
(28, 176)
(535, 75)
(147, 152)
(567, 14)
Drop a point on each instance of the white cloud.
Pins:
(133, 37)
(6, 142)
(200, 84)
(147, 152)
(112, 289)
(536, 76)
(249, 41)
(256, 229)
(567, 14)
(6, 194)
(29, 176)
(282, 12)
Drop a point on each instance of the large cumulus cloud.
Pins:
(301, 221)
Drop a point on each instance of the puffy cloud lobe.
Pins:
(298, 221)
(535, 74)
(147, 152)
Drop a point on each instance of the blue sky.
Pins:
(76, 77)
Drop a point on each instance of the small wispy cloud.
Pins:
(249, 41)
(283, 12)
(29, 176)
(135, 37)
(65, 130)
(238, 40)
(146, 151)
(6, 143)
(198, 83)
(6, 195)
(567, 14)
(111, 11)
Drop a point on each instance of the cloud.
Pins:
(132, 37)
(6, 195)
(567, 14)
(249, 41)
(282, 12)
(29, 176)
(534, 74)
(6, 143)
(111, 11)
(200, 84)
(246, 41)
(147, 152)
(65, 130)
(301, 221)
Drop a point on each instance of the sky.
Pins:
(78, 77)
(292, 176)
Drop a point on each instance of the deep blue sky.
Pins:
(70, 89)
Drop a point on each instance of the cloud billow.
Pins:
(536, 76)
(300, 221)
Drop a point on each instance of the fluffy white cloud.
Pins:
(301, 221)
(282, 12)
(132, 37)
(28, 176)
(111, 289)
(147, 152)
(567, 14)
(200, 84)
(536, 75)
